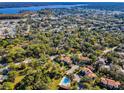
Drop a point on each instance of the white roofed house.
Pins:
(72, 69)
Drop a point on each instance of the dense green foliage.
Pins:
(33, 60)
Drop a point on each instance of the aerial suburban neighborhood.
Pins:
(75, 48)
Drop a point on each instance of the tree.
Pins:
(12, 75)
(87, 86)
(96, 88)
(35, 81)
(8, 86)
(12, 66)
(22, 66)
(93, 57)
(15, 54)
(85, 79)
(4, 43)
(37, 49)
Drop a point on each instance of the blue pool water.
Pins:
(33, 8)
(66, 80)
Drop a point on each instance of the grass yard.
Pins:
(18, 79)
(54, 84)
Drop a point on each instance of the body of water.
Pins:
(34, 8)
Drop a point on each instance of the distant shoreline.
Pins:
(31, 4)
(12, 8)
(34, 8)
(14, 16)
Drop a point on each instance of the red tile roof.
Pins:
(66, 59)
(82, 58)
(89, 73)
(110, 82)
(90, 67)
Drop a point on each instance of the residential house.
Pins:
(66, 59)
(81, 60)
(87, 72)
(90, 67)
(101, 61)
(72, 69)
(109, 83)
(76, 78)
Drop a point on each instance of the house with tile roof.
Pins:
(81, 60)
(66, 59)
(87, 72)
(111, 84)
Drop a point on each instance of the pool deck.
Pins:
(64, 85)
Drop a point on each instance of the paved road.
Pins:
(107, 51)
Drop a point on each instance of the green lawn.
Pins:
(54, 84)
(18, 79)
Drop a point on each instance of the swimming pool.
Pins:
(65, 81)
